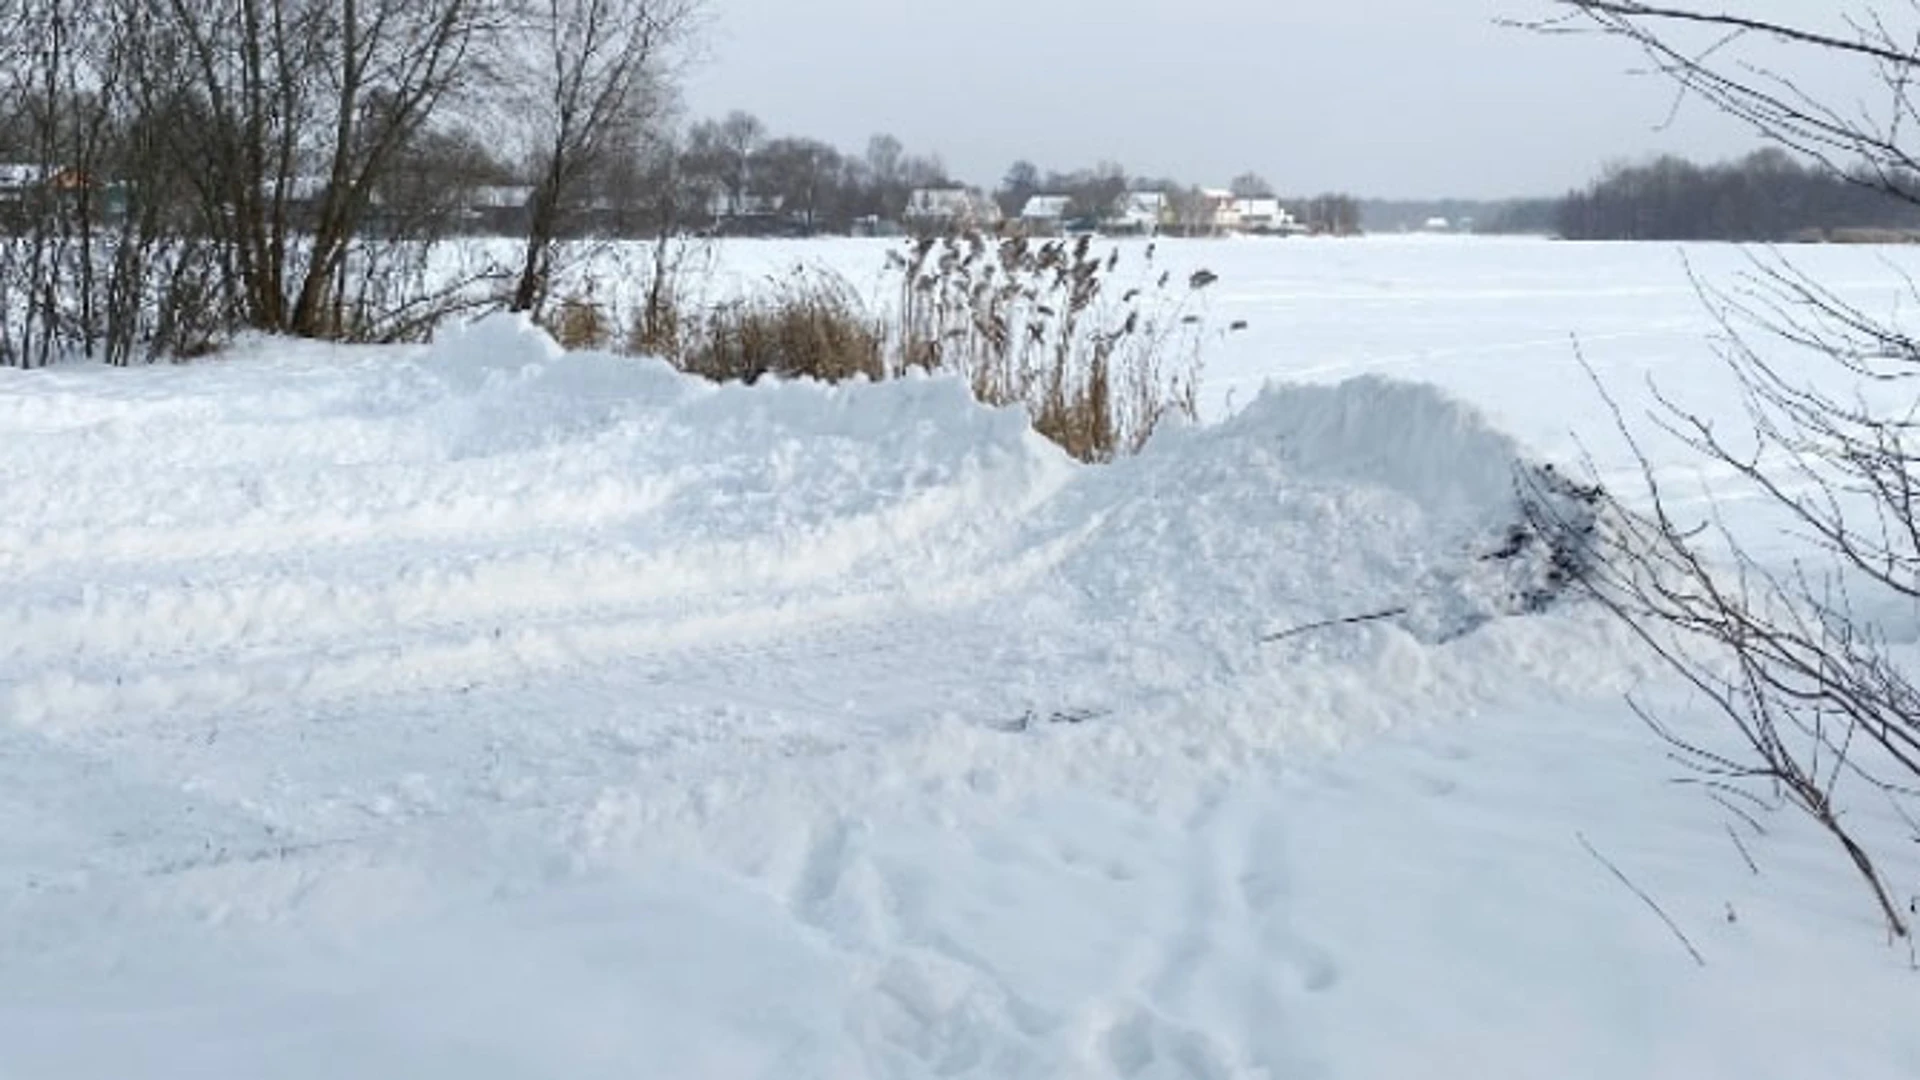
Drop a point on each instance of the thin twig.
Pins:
(1328, 624)
(1648, 900)
(1727, 804)
(1751, 865)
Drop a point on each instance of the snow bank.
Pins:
(493, 504)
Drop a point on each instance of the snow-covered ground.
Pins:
(484, 711)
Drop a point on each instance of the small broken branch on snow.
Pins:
(1648, 900)
(1328, 624)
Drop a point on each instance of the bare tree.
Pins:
(1823, 705)
(674, 197)
(600, 73)
(62, 87)
(796, 173)
(198, 166)
(302, 107)
(1735, 63)
(886, 170)
(1251, 185)
(741, 135)
(183, 168)
(883, 158)
(1021, 183)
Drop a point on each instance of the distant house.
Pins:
(18, 179)
(1045, 215)
(721, 206)
(875, 225)
(500, 197)
(1219, 211)
(1437, 225)
(17, 184)
(753, 215)
(23, 184)
(946, 209)
(1141, 212)
(498, 208)
(1265, 216)
(15, 178)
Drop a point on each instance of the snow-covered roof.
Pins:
(1046, 207)
(1141, 207)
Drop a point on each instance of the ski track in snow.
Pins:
(482, 711)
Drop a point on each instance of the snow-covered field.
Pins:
(484, 711)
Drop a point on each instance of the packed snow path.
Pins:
(483, 711)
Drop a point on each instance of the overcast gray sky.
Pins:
(1379, 97)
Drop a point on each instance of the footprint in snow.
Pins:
(1142, 1046)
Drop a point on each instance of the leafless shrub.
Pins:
(1798, 659)
(806, 325)
(657, 327)
(596, 77)
(580, 323)
(676, 261)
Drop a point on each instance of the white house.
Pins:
(1045, 213)
(1219, 211)
(950, 208)
(1141, 212)
(1265, 215)
(720, 205)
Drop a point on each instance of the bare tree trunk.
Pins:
(597, 82)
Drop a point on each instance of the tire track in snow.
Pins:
(311, 638)
(494, 642)
(476, 519)
(919, 542)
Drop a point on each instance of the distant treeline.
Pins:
(1766, 196)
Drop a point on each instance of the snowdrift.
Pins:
(307, 532)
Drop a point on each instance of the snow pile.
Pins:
(1366, 528)
(1320, 502)
(584, 506)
